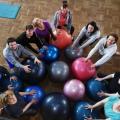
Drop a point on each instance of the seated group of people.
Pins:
(40, 33)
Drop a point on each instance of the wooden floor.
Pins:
(105, 12)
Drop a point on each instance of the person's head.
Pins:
(37, 22)
(12, 43)
(7, 97)
(111, 39)
(65, 4)
(91, 27)
(10, 97)
(29, 30)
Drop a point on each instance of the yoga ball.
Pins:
(59, 71)
(93, 87)
(37, 73)
(50, 54)
(4, 74)
(55, 106)
(63, 39)
(80, 112)
(73, 53)
(74, 89)
(39, 95)
(15, 84)
(82, 70)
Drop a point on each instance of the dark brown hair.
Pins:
(11, 39)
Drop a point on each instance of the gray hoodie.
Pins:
(13, 56)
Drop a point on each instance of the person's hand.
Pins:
(101, 94)
(13, 78)
(86, 59)
(10, 87)
(89, 107)
(93, 66)
(98, 79)
(1, 110)
(45, 47)
(32, 92)
(26, 68)
(34, 101)
(88, 118)
(37, 61)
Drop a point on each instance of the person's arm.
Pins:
(27, 93)
(101, 94)
(31, 48)
(106, 77)
(97, 104)
(91, 39)
(27, 52)
(55, 19)
(79, 37)
(33, 101)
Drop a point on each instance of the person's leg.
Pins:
(72, 30)
(30, 112)
(11, 66)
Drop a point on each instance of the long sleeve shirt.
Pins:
(90, 38)
(106, 52)
(13, 56)
(25, 41)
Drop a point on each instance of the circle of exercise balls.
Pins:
(49, 54)
(93, 87)
(38, 95)
(74, 89)
(73, 53)
(55, 106)
(38, 72)
(59, 71)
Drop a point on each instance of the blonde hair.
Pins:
(35, 22)
(4, 97)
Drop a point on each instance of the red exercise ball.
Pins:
(82, 70)
(74, 89)
(63, 39)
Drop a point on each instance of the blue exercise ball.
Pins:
(50, 54)
(73, 53)
(93, 87)
(39, 95)
(80, 112)
(55, 106)
(38, 72)
(59, 71)
(15, 84)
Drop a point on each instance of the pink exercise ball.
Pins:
(74, 89)
(82, 69)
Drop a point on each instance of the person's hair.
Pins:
(114, 35)
(93, 23)
(3, 99)
(35, 22)
(11, 39)
(65, 4)
(29, 27)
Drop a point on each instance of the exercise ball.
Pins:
(39, 95)
(4, 74)
(82, 70)
(59, 71)
(37, 73)
(80, 112)
(15, 84)
(74, 89)
(73, 53)
(63, 39)
(55, 106)
(50, 54)
(93, 87)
